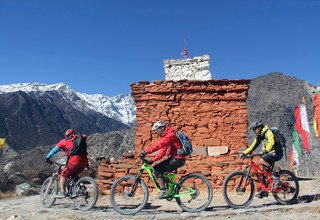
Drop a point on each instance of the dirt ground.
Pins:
(308, 207)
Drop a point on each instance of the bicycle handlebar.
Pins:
(142, 159)
(145, 161)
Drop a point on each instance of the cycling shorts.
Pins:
(168, 165)
(271, 158)
(72, 169)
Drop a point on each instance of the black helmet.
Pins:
(255, 125)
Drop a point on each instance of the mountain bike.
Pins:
(238, 187)
(129, 194)
(83, 191)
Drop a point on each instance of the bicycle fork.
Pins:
(241, 188)
(53, 178)
(135, 184)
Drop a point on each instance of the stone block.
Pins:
(200, 151)
(218, 150)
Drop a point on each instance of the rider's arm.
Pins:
(252, 147)
(161, 153)
(160, 146)
(270, 143)
(53, 151)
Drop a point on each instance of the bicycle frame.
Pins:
(70, 182)
(261, 175)
(169, 180)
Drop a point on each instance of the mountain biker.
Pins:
(166, 145)
(75, 163)
(269, 155)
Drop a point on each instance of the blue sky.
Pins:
(101, 46)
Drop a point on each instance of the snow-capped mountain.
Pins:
(120, 107)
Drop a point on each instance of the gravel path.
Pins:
(307, 208)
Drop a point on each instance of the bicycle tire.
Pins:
(194, 199)
(86, 193)
(120, 198)
(48, 192)
(292, 188)
(231, 193)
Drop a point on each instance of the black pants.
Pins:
(167, 165)
(271, 158)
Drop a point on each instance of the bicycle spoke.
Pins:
(238, 190)
(124, 199)
(194, 193)
(288, 189)
(86, 193)
(48, 191)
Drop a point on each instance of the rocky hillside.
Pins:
(272, 99)
(29, 166)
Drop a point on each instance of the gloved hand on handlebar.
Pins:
(242, 156)
(47, 160)
(142, 154)
(263, 153)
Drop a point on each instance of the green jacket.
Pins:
(266, 138)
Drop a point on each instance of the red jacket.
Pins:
(167, 145)
(66, 145)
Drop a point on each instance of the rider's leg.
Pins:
(160, 180)
(70, 170)
(266, 167)
(270, 159)
(159, 169)
(62, 183)
(61, 194)
(168, 165)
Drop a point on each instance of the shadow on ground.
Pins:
(308, 198)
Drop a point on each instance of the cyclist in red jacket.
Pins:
(76, 163)
(166, 145)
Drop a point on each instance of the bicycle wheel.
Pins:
(86, 192)
(124, 200)
(238, 190)
(288, 190)
(48, 191)
(202, 197)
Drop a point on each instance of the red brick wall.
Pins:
(212, 113)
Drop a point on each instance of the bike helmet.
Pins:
(255, 125)
(157, 125)
(69, 132)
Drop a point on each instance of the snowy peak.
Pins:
(34, 87)
(120, 107)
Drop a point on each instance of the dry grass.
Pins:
(7, 195)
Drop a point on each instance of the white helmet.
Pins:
(157, 125)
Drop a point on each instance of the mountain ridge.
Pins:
(120, 107)
(42, 113)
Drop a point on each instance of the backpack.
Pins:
(280, 141)
(79, 146)
(186, 149)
